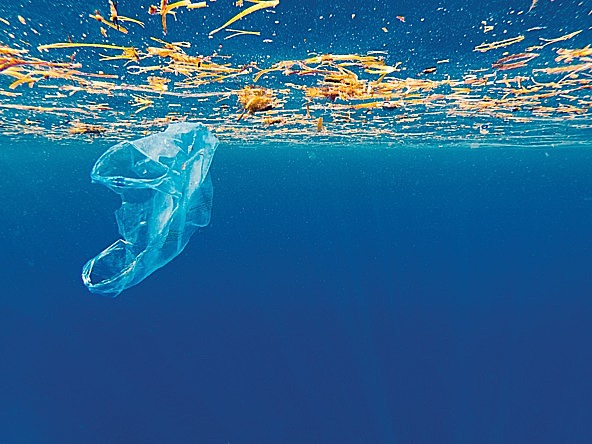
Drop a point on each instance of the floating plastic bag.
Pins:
(166, 195)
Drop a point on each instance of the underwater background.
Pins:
(404, 292)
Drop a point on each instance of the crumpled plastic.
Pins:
(166, 193)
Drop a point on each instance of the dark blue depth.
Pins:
(344, 295)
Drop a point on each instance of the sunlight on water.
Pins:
(118, 70)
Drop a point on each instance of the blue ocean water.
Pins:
(419, 292)
(410, 295)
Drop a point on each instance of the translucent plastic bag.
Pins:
(166, 195)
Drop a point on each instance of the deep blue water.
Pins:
(403, 295)
(340, 294)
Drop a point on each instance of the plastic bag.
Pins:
(166, 194)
